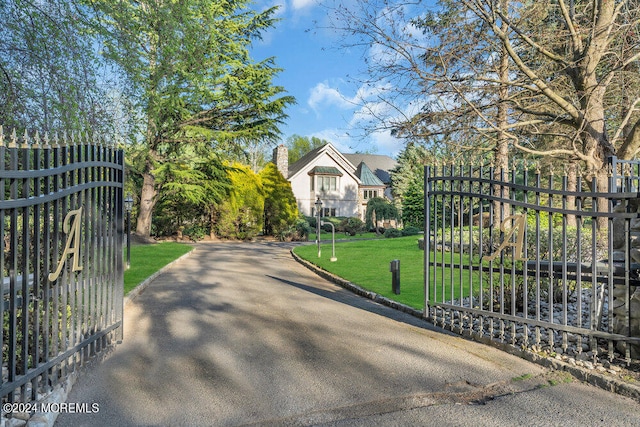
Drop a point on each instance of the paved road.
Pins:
(240, 334)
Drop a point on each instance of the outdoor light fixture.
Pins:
(333, 240)
(318, 209)
(128, 205)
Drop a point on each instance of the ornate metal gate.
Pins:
(61, 271)
(521, 258)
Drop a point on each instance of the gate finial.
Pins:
(14, 138)
(25, 140)
(36, 140)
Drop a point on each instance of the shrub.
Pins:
(392, 232)
(333, 220)
(411, 231)
(195, 231)
(303, 228)
(311, 220)
(351, 226)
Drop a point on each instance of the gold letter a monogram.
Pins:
(520, 223)
(73, 243)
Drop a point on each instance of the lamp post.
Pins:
(128, 205)
(318, 209)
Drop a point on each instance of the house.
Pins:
(343, 182)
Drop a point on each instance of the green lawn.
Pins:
(342, 236)
(147, 259)
(366, 263)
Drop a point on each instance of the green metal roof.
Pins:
(367, 177)
(325, 170)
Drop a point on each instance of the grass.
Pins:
(342, 236)
(366, 263)
(522, 377)
(148, 259)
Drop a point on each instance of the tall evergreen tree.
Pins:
(280, 206)
(410, 169)
(188, 67)
(413, 205)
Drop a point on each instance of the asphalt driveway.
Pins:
(240, 334)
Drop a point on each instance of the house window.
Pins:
(324, 212)
(327, 183)
(328, 212)
(369, 194)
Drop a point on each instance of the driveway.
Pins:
(241, 334)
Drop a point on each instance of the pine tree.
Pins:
(280, 206)
(188, 68)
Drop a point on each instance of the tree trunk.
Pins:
(596, 145)
(147, 203)
(501, 153)
(374, 220)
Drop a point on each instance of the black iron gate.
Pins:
(519, 257)
(61, 269)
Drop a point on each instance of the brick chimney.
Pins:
(281, 159)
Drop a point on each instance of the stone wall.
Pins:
(627, 323)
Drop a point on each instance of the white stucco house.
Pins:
(343, 182)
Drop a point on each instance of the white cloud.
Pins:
(339, 138)
(302, 4)
(387, 144)
(323, 95)
(379, 142)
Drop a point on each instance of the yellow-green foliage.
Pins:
(280, 207)
(240, 216)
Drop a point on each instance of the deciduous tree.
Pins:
(298, 146)
(565, 73)
(50, 77)
(379, 209)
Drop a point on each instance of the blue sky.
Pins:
(319, 73)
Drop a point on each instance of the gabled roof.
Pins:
(367, 177)
(329, 150)
(379, 164)
(303, 161)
